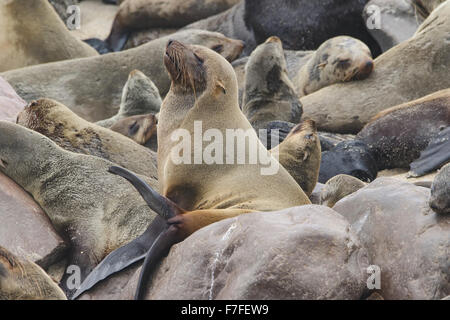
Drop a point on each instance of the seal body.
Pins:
(253, 21)
(72, 133)
(139, 96)
(21, 279)
(339, 59)
(396, 136)
(300, 155)
(142, 14)
(269, 93)
(25, 40)
(440, 191)
(99, 80)
(96, 211)
(339, 187)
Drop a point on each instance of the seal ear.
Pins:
(220, 87)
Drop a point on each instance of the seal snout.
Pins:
(365, 70)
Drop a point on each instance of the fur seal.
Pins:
(253, 21)
(95, 211)
(339, 187)
(99, 80)
(143, 14)
(300, 155)
(440, 191)
(397, 135)
(411, 70)
(269, 93)
(338, 59)
(25, 40)
(139, 96)
(351, 157)
(138, 128)
(21, 279)
(72, 133)
(203, 83)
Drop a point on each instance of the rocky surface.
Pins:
(404, 237)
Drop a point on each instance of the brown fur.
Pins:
(24, 280)
(138, 128)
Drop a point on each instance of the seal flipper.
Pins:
(118, 37)
(434, 156)
(123, 257)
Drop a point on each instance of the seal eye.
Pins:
(133, 128)
(309, 136)
(343, 64)
(200, 60)
(218, 48)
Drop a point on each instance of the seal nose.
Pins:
(368, 67)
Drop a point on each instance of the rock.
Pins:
(411, 70)
(315, 195)
(61, 7)
(10, 103)
(408, 241)
(391, 21)
(25, 229)
(310, 254)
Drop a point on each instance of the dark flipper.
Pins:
(434, 156)
(159, 249)
(161, 205)
(123, 257)
(99, 45)
(116, 2)
(118, 36)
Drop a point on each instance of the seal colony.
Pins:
(196, 146)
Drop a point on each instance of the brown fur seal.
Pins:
(440, 191)
(99, 80)
(204, 83)
(143, 14)
(269, 93)
(411, 70)
(22, 279)
(397, 135)
(25, 40)
(300, 155)
(95, 211)
(139, 96)
(10, 103)
(72, 133)
(339, 59)
(138, 128)
(339, 187)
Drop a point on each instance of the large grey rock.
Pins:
(391, 21)
(10, 102)
(306, 252)
(25, 230)
(404, 237)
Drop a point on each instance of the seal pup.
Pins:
(203, 83)
(397, 135)
(253, 21)
(21, 279)
(95, 211)
(338, 59)
(72, 133)
(139, 96)
(300, 155)
(26, 41)
(339, 187)
(404, 73)
(138, 128)
(440, 191)
(144, 14)
(99, 80)
(269, 93)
